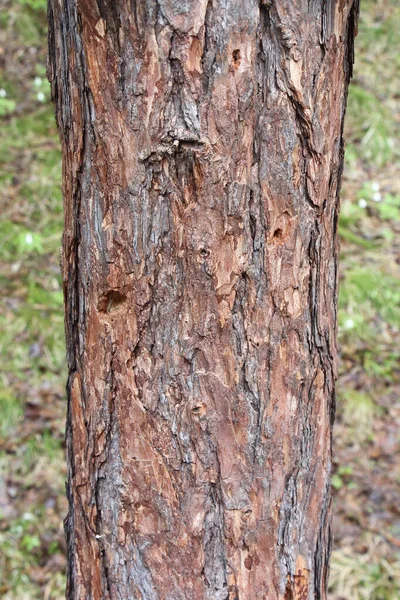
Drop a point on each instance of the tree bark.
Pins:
(202, 145)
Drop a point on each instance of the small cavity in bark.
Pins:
(237, 58)
(199, 410)
(204, 252)
(111, 300)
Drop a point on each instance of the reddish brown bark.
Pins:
(202, 145)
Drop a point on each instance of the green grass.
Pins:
(372, 125)
(23, 549)
(371, 133)
(358, 411)
(369, 304)
(364, 577)
(10, 410)
(32, 464)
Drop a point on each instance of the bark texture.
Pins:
(202, 144)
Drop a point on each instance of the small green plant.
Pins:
(381, 363)
(21, 549)
(342, 478)
(7, 106)
(351, 218)
(389, 208)
(30, 542)
(10, 410)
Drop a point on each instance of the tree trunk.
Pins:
(202, 144)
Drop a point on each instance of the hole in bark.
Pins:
(204, 252)
(236, 55)
(111, 301)
(233, 592)
(237, 58)
(199, 410)
(282, 230)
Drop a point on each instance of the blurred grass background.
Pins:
(366, 557)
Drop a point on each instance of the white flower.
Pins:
(362, 203)
(38, 81)
(28, 238)
(3, 93)
(349, 323)
(377, 197)
(41, 97)
(15, 267)
(375, 186)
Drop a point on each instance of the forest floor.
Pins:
(366, 556)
